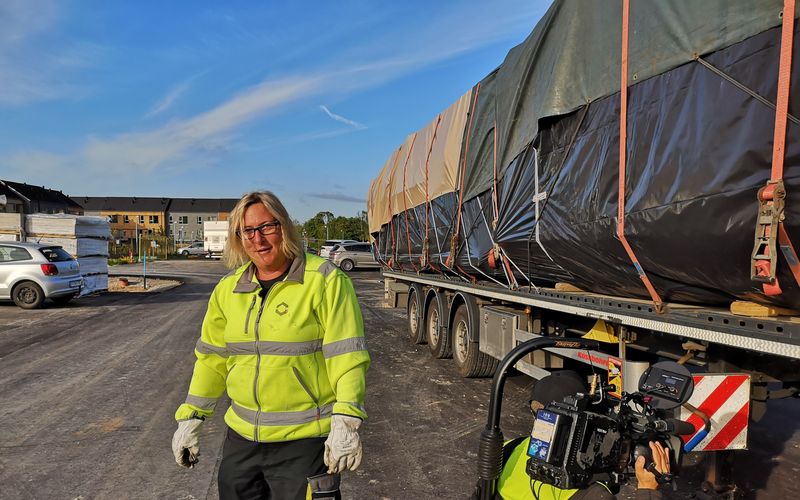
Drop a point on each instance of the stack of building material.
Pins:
(10, 227)
(85, 237)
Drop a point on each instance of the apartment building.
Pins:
(128, 214)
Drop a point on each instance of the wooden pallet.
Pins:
(745, 308)
(566, 287)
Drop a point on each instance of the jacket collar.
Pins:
(247, 283)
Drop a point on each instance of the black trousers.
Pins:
(274, 471)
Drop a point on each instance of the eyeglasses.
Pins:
(265, 229)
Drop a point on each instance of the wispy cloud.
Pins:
(341, 119)
(204, 138)
(168, 100)
(337, 197)
(206, 132)
(32, 70)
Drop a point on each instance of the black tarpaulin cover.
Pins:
(699, 148)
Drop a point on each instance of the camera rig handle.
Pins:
(490, 450)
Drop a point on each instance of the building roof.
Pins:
(205, 205)
(123, 203)
(37, 193)
(153, 204)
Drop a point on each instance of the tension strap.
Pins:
(770, 230)
(623, 143)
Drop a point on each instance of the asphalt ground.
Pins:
(88, 394)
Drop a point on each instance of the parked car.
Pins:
(33, 272)
(348, 256)
(325, 249)
(195, 248)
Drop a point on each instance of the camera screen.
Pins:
(543, 434)
(665, 384)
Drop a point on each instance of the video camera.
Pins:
(583, 439)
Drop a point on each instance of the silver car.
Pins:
(325, 249)
(32, 272)
(351, 255)
(195, 248)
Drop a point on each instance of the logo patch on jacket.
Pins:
(282, 309)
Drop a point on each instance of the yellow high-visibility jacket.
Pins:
(288, 360)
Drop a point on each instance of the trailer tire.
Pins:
(469, 360)
(438, 336)
(416, 333)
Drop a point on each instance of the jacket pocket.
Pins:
(240, 384)
(305, 386)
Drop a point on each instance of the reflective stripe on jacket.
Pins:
(288, 360)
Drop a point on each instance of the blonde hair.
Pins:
(235, 254)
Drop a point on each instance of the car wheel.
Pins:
(438, 337)
(185, 253)
(415, 331)
(347, 265)
(62, 300)
(469, 360)
(28, 295)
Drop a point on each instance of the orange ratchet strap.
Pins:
(424, 258)
(405, 201)
(390, 262)
(772, 197)
(623, 142)
(451, 259)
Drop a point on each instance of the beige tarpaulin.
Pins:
(423, 168)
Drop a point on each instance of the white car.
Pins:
(325, 249)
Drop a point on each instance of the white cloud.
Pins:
(199, 140)
(342, 119)
(33, 68)
(203, 133)
(168, 100)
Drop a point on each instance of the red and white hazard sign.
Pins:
(725, 399)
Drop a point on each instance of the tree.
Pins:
(338, 228)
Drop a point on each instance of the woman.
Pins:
(284, 335)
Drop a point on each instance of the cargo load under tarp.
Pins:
(534, 201)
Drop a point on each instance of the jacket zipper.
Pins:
(247, 318)
(258, 357)
(258, 367)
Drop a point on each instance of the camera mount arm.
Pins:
(490, 451)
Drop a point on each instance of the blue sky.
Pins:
(214, 99)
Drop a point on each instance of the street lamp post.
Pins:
(326, 218)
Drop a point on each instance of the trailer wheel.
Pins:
(470, 361)
(415, 331)
(438, 337)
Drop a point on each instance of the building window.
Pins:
(170, 218)
(212, 218)
(154, 219)
(199, 219)
(183, 219)
(141, 219)
(126, 220)
(114, 219)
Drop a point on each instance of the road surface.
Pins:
(89, 391)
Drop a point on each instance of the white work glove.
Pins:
(343, 447)
(185, 442)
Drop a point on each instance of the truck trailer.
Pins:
(215, 237)
(629, 173)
